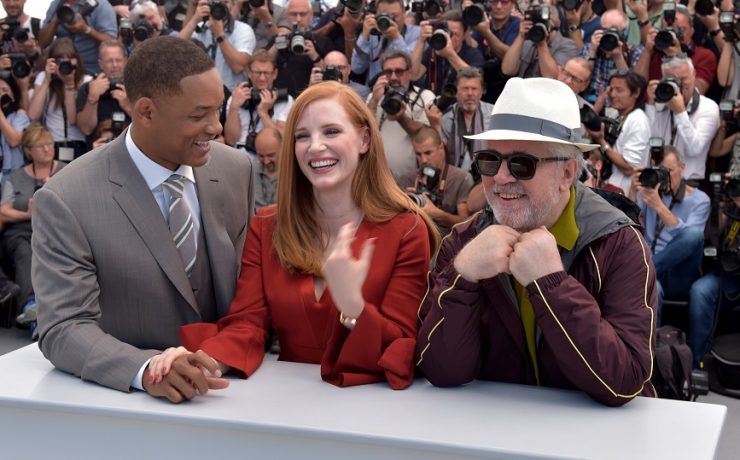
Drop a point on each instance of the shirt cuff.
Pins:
(137, 381)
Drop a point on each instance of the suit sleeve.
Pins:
(604, 344)
(449, 346)
(381, 346)
(238, 339)
(67, 294)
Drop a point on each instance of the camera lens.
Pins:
(665, 91)
(733, 188)
(537, 33)
(383, 21)
(663, 40)
(21, 68)
(432, 8)
(472, 15)
(438, 40)
(298, 44)
(609, 41)
(66, 15)
(21, 35)
(649, 178)
(219, 11)
(66, 67)
(256, 3)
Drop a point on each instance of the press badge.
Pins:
(66, 154)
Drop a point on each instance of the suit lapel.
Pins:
(139, 205)
(220, 247)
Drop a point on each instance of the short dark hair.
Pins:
(148, 74)
(395, 54)
(634, 81)
(427, 132)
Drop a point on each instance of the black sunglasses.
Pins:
(521, 165)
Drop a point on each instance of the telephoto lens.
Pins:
(666, 89)
(66, 67)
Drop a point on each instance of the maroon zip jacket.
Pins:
(595, 321)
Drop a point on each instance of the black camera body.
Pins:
(219, 10)
(729, 26)
(126, 31)
(353, 6)
(667, 89)
(654, 175)
(446, 98)
(439, 37)
(432, 176)
(394, 100)
(66, 15)
(142, 30)
(297, 40)
(665, 37)
(610, 40)
(11, 29)
(331, 73)
(384, 21)
(590, 118)
(540, 17)
(19, 66)
(571, 5)
(473, 14)
(65, 66)
(611, 130)
(255, 98)
(113, 84)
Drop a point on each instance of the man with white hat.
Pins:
(550, 285)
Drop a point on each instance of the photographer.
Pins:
(719, 288)
(246, 115)
(87, 22)
(631, 148)
(229, 42)
(608, 51)
(373, 41)
(342, 24)
(446, 53)
(144, 22)
(440, 188)
(336, 67)
(675, 215)
(399, 107)
(19, 30)
(581, 21)
(728, 68)
(13, 119)
(267, 146)
(681, 116)
(469, 115)
(539, 48)
(261, 16)
(54, 98)
(102, 103)
(296, 48)
(675, 39)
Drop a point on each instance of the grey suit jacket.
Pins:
(109, 283)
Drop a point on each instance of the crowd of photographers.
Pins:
(657, 83)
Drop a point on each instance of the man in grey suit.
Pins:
(139, 237)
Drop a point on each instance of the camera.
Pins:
(142, 30)
(281, 94)
(667, 88)
(256, 3)
(656, 149)
(729, 26)
(473, 14)
(11, 29)
(65, 66)
(118, 122)
(590, 118)
(19, 66)
(669, 12)
(432, 175)
(331, 73)
(248, 144)
(219, 11)
(431, 7)
(665, 37)
(393, 100)
(610, 40)
(113, 84)
(704, 7)
(126, 31)
(353, 6)
(611, 130)
(439, 37)
(66, 15)
(297, 40)
(654, 175)
(446, 98)
(571, 4)
(540, 17)
(727, 113)
(384, 22)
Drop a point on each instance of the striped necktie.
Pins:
(181, 222)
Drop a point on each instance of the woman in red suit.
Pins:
(338, 267)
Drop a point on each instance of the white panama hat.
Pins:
(536, 109)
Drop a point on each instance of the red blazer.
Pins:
(380, 347)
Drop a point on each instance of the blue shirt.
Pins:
(102, 19)
(366, 55)
(507, 34)
(692, 211)
(13, 156)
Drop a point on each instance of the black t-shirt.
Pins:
(294, 71)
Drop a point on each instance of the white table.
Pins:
(285, 411)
